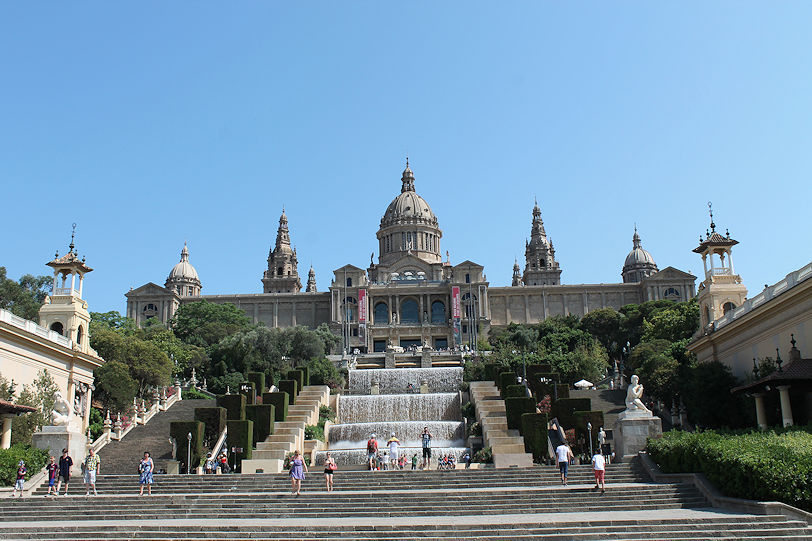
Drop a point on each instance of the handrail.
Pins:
(221, 441)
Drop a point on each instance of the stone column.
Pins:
(761, 414)
(786, 408)
(5, 441)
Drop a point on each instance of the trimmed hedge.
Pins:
(262, 415)
(584, 417)
(241, 435)
(214, 422)
(289, 386)
(762, 466)
(515, 407)
(514, 390)
(506, 379)
(249, 390)
(534, 432)
(35, 459)
(234, 405)
(297, 375)
(564, 409)
(491, 371)
(563, 390)
(280, 403)
(258, 379)
(180, 430)
(306, 371)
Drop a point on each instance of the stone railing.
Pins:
(33, 328)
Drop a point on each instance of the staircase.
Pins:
(506, 445)
(476, 505)
(288, 435)
(611, 403)
(123, 456)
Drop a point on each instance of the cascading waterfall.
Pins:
(362, 414)
(397, 380)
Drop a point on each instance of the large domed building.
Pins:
(411, 296)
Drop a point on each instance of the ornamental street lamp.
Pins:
(189, 453)
(589, 429)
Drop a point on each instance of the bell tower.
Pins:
(722, 290)
(282, 275)
(65, 311)
(541, 267)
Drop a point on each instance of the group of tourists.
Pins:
(59, 472)
(212, 464)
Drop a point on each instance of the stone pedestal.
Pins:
(425, 359)
(632, 428)
(55, 438)
(389, 359)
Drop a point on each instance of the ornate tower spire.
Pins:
(407, 179)
(311, 281)
(517, 274)
(282, 275)
(541, 268)
(638, 264)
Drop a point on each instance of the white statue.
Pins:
(633, 395)
(601, 437)
(62, 414)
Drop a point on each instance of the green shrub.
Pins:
(262, 416)
(563, 390)
(291, 387)
(240, 435)
(514, 391)
(484, 456)
(326, 413)
(491, 372)
(515, 407)
(214, 422)
(35, 459)
(534, 431)
(180, 431)
(324, 372)
(234, 405)
(766, 466)
(96, 425)
(564, 409)
(193, 394)
(280, 403)
(258, 379)
(298, 376)
(505, 379)
(464, 386)
(475, 429)
(314, 432)
(306, 372)
(468, 410)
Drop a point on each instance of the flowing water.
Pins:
(362, 414)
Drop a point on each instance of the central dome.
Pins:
(408, 207)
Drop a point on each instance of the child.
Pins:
(53, 475)
(599, 465)
(21, 471)
(414, 461)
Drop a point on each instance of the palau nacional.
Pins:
(411, 297)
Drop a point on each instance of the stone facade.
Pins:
(411, 296)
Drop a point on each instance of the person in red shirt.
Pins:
(53, 475)
(372, 451)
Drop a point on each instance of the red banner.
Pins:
(455, 302)
(362, 305)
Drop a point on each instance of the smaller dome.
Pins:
(183, 271)
(638, 256)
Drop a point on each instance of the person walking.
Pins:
(53, 475)
(372, 452)
(298, 468)
(599, 466)
(394, 444)
(329, 469)
(65, 464)
(426, 441)
(20, 483)
(92, 465)
(210, 465)
(564, 454)
(467, 459)
(414, 461)
(145, 469)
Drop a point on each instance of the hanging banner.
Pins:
(455, 314)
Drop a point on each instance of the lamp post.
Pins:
(589, 429)
(189, 453)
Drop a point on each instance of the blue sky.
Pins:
(153, 123)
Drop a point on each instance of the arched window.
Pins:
(349, 281)
(279, 271)
(470, 304)
(409, 312)
(438, 312)
(467, 278)
(57, 327)
(381, 313)
(150, 310)
(671, 294)
(727, 307)
(79, 335)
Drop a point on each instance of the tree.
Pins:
(707, 398)
(185, 357)
(605, 324)
(324, 372)
(25, 297)
(204, 323)
(41, 395)
(633, 316)
(148, 365)
(114, 386)
(7, 389)
(657, 368)
(330, 339)
(678, 321)
(305, 345)
(112, 320)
